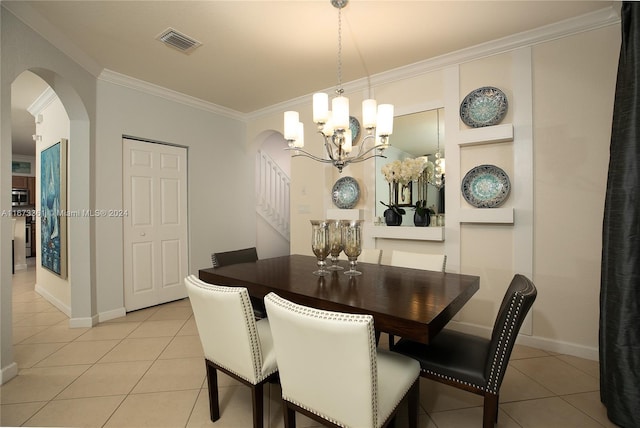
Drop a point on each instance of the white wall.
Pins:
(220, 180)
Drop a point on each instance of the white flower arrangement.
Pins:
(404, 171)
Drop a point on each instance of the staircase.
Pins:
(272, 193)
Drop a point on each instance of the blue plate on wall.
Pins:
(345, 193)
(485, 106)
(486, 186)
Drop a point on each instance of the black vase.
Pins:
(421, 220)
(392, 218)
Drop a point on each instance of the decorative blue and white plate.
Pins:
(354, 126)
(485, 186)
(485, 106)
(345, 193)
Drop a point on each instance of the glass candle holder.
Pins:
(352, 241)
(335, 243)
(320, 244)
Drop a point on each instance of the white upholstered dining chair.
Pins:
(233, 341)
(436, 262)
(331, 371)
(370, 255)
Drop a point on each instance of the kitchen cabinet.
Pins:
(31, 186)
(19, 182)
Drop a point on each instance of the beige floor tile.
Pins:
(79, 412)
(436, 397)
(42, 318)
(136, 316)
(517, 386)
(29, 355)
(32, 307)
(172, 312)
(161, 409)
(522, 351)
(14, 415)
(106, 331)
(588, 366)
(235, 409)
(17, 317)
(142, 349)
(402, 418)
(184, 347)
(107, 379)
(56, 334)
(469, 418)
(79, 353)
(39, 384)
(172, 375)
(590, 404)
(547, 413)
(179, 303)
(189, 328)
(21, 334)
(557, 375)
(157, 328)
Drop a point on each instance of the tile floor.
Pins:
(146, 369)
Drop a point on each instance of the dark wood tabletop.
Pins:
(410, 303)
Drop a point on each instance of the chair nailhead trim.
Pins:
(515, 306)
(452, 379)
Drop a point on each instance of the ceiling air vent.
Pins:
(177, 40)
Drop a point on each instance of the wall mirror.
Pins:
(414, 135)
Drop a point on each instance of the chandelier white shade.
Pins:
(334, 124)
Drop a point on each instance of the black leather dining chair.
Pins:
(227, 258)
(245, 255)
(473, 363)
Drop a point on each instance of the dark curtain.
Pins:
(620, 277)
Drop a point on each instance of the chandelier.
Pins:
(334, 124)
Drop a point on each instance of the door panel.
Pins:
(155, 232)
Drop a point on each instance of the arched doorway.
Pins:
(273, 172)
(82, 299)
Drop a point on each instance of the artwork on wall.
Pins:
(53, 203)
(21, 167)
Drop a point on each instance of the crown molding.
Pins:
(25, 13)
(168, 94)
(587, 22)
(44, 99)
(590, 21)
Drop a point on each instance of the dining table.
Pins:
(410, 303)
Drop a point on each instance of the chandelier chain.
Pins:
(339, 89)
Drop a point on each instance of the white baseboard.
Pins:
(20, 266)
(550, 345)
(53, 300)
(110, 315)
(83, 322)
(9, 372)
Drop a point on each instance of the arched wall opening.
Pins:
(81, 261)
(272, 175)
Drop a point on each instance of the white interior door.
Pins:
(155, 227)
